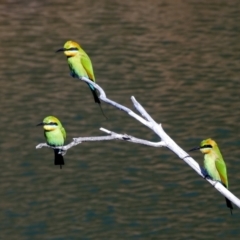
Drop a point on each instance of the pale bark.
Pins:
(165, 140)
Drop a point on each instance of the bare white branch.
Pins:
(167, 141)
(113, 136)
(133, 139)
(148, 121)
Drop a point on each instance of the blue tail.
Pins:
(94, 92)
(96, 98)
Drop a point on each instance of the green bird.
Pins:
(214, 164)
(80, 65)
(55, 135)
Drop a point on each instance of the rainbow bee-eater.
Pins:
(55, 135)
(214, 164)
(80, 65)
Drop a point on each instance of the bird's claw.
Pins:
(126, 137)
(206, 176)
(62, 152)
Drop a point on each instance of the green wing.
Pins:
(63, 132)
(222, 170)
(87, 65)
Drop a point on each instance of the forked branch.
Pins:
(165, 141)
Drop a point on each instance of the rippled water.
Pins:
(180, 59)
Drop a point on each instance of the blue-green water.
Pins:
(180, 59)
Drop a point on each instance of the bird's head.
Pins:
(50, 123)
(206, 146)
(70, 48)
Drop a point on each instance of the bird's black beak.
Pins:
(197, 148)
(194, 149)
(40, 124)
(61, 50)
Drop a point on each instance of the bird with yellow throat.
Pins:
(214, 164)
(80, 65)
(55, 136)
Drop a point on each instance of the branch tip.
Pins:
(105, 130)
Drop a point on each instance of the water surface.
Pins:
(180, 59)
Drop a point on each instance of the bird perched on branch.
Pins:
(214, 164)
(80, 65)
(55, 135)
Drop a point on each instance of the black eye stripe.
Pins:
(206, 146)
(51, 124)
(72, 49)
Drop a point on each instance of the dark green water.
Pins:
(180, 59)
